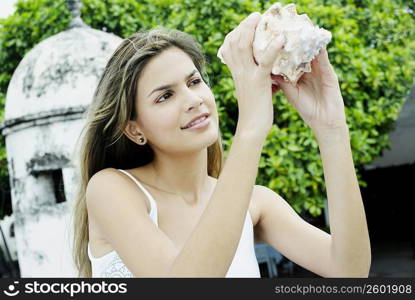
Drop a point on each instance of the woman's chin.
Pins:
(207, 139)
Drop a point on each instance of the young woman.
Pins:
(155, 199)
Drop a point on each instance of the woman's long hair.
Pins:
(103, 143)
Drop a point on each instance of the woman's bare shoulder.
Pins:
(112, 183)
(105, 174)
(108, 175)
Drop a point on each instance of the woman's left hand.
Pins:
(316, 97)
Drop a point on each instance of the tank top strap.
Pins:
(153, 204)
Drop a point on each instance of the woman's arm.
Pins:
(318, 100)
(350, 245)
(346, 251)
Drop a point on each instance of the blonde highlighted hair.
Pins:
(103, 143)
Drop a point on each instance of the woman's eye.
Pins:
(164, 96)
(196, 81)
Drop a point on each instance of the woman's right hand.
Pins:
(252, 77)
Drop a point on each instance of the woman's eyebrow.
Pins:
(167, 86)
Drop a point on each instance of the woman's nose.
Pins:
(196, 103)
(194, 100)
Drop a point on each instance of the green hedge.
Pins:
(373, 52)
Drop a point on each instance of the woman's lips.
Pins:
(200, 125)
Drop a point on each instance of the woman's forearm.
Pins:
(351, 253)
(210, 249)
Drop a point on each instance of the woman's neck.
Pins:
(184, 176)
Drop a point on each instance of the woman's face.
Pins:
(170, 93)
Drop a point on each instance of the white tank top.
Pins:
(244, 263)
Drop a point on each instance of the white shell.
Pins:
(303, 40)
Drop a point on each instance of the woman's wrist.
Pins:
(251, 136)
(327, 136)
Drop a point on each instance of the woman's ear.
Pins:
(133, 132)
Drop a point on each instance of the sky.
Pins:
(6, 7)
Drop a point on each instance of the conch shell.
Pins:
(302, 40)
